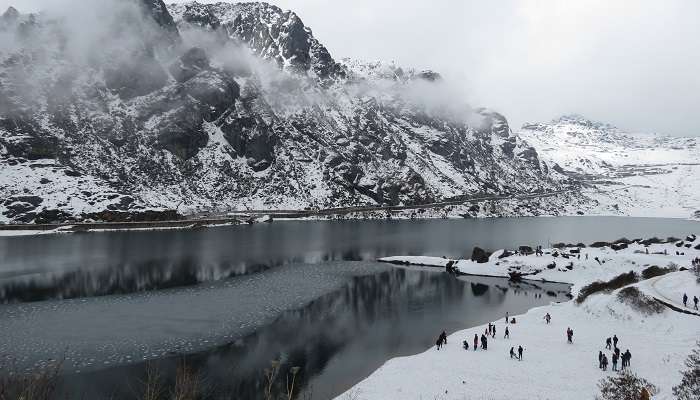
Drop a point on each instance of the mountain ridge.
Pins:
(199, 115)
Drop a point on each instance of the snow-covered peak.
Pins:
(578, 119)
(272, 33)
(10, 14)
(374, 70)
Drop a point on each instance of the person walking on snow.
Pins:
(615, 340)
(506, 317)
(685, 300)
(507, 335)
(438, 343)
(443, 335)
(520, 353)
(512, 353)
(494, 332)
(484, 343)
(608, 343)
(605, 363)
(476, 341)
(614, 361)
(465, 344)
(600, 360)
(695, 300)
(628, 357)
(548, 318)
(569, 335)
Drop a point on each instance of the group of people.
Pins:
(685, 300)
(611, 344)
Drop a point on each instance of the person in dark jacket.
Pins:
(685, 300)
(476, 341)
(600, 360)
(493, 335)
(605, 363)
(438, 343)
(695, 300)
(615, 339)
(628, 358)
(608, 344)
(507, 335)
(520, 353)
(484, 342)
(615, 357)
(512, 353)
(465, 344)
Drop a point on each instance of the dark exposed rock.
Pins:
(618, 246)
(52, 216)
(194, 61)
(33, 200)
(160, 14)
(136, 75)
(34, 146)
(480, 255)
(203, 98)
(525, 249)
(134, 216)
(10, 16)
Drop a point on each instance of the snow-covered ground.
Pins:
(552, 368)
(626, 173)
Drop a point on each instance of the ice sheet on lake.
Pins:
(103, 331)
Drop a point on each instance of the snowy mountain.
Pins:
(626, 173)
(138, 110)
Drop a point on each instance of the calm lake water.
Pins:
(234, 298)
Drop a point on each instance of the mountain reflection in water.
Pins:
(340, 338)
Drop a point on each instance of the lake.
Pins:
(234, 298)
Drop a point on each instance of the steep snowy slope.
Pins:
(629, 174)
(197, 107)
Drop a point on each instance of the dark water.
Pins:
(83, 265)
(336, 339)
(340, 338)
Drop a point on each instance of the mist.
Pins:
(629, 63)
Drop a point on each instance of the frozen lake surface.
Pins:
(234, 298)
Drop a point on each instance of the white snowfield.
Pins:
(629, 174)
(552, 368)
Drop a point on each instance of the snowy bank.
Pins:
(552, 368)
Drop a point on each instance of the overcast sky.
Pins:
(633, 63)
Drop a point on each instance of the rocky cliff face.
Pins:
(193, 107)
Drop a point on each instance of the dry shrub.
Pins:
(639, 301)
(655, 270)
(689, 388)
(187, 383)
(38, 385)
(624, 386)
(601, 286)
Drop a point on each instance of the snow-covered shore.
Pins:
(552, 368)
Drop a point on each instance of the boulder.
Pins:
(480, 255)
(526, 249)
(618, 246)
